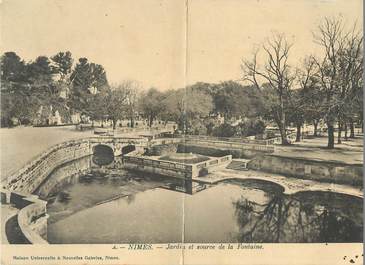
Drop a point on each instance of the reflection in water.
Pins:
(305, 217)
(141, 208)
(103, 155)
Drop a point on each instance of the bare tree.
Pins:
(276, 73)
(330, 35)
(351, 78)
(133, 90)
(338, 70)
(305, 101)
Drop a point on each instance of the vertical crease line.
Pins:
(185, 86)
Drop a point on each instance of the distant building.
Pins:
(47, 115)
(75, 118)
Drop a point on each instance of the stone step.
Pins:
(240, 164)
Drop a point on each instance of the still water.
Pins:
(145, 209)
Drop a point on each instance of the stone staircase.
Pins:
(239, 164)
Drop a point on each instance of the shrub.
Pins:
(251, 127)
(224, 130)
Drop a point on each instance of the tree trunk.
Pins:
(352, 129)
(331, 136)
(315, 124)
(339, 132)
(114, 124)
(151, 121)
(345, 129)
(132, 122)
(284, 139)
(297, 139)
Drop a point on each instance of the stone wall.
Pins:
(32, 215)
(66, 173)
(217, 151)
(326, 171)
(32, 221)
(161, 149)
(30, 177)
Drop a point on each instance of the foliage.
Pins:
(224, 130)
(151, 105)
(250, 127)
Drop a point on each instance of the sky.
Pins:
(166, 44)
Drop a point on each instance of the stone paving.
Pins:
(350, 151)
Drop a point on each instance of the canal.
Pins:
(134, 208)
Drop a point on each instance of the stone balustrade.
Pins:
(155, 166)
(231, 145)
(230, 139)
(173, 169)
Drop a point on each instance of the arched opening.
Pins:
(128, 148)
(103, 155)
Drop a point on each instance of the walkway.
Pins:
(350, 151)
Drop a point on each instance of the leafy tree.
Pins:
(227, 99)
(151, 105)
(12, 69)
(251, 127)
(116, 99)
(15, 89)
(98, 106)
(63, 64)
(224, 130)
(187, 105)
(87, 78)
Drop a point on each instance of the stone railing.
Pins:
(229, 139)
(155, 129)
(173, 169)
(118, 139)
(205, 167)
(231, 145)
(155, 163)
(30, 177)
(165, 141)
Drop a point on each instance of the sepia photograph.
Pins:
(181, 125)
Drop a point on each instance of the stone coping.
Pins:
(290, 185)
(317, 160)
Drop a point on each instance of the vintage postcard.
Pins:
(181, 132)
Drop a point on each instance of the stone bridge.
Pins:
(118, 144)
